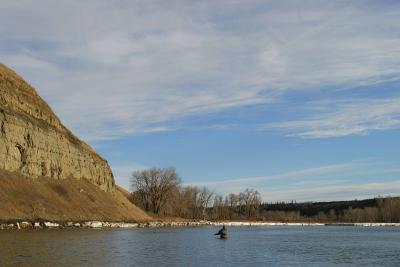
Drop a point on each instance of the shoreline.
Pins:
(22, 225)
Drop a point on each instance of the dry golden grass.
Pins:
(63, 200)
(22, 198)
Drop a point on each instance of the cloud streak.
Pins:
(113, 69)
(330, 182)
(335, 192)
(298, 174)
(355, 118)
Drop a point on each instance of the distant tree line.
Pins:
(161, 192)
(386, 210)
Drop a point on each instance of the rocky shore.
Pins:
(98, 224)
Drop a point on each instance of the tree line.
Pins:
(161, 192)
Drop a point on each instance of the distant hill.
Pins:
(45, 170)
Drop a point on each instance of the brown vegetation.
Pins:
(379, 210)
(160, 192)
(62, 200)
(191, 202)
(154, 188)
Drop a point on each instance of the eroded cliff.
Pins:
(34, 143)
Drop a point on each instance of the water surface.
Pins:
(246, 246)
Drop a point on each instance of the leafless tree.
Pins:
(203, 200)
(153, 188)
(232, 201)
(160, 191)
(218, 207)
(189, 195)
(250, 200)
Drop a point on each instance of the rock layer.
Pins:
(34, 143)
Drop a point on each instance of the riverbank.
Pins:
(98, 224)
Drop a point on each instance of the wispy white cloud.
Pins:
(334, 192)
(298, 174)
(115, 68)
(355, 118)
(330, 182)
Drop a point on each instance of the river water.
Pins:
(246, 246)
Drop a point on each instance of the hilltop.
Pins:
(46, 172)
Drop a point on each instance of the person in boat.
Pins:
(223, 233)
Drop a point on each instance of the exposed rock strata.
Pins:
(34, 143)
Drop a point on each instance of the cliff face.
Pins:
(34, 143)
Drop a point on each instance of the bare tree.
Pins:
(218, 209)
(232, 201)
(153, 188)
(189, 195)
(203, 200)
(250, 201)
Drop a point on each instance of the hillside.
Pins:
(34, 143)
(46, 172)
(62, 200)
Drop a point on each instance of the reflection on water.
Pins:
(273, 246)
(53, 248)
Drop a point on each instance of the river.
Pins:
(197, 246)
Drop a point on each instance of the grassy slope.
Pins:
(62, 200)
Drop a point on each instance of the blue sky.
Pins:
(297, 99)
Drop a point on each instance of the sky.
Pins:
(299, 100)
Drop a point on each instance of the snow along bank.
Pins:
(99, 224)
